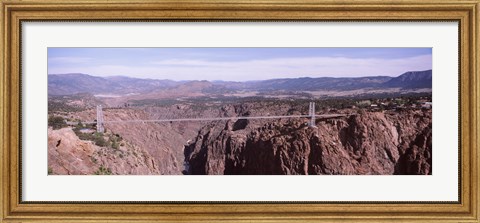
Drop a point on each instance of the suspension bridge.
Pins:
(100, 122)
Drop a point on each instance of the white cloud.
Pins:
(69, 59)
(178, 69)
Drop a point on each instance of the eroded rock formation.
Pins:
(364, 143)
(68, 155)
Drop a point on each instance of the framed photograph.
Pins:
(161, 111)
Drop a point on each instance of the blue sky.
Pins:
(238, 64)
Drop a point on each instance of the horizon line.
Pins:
(239, 81)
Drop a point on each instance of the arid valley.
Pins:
(379, 125)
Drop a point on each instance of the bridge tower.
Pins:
(100, 119)
(311, 113)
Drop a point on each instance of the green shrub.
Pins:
(115, 145)
(100, 141)
(79, 125)
(114, 140)
(103, 171)
(57, 122)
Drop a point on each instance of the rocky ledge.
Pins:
(366, 143)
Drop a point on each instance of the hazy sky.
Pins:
(238, 64)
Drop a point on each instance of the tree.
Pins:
(99, 140)
(57, 122)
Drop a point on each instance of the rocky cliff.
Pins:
(68, 155)
(163, 141)
(364, 143)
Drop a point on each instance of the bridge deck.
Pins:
(217, 119)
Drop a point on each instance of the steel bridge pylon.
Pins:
(311, 113)
(100, 127)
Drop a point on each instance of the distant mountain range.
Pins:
(67, 84)
(412, 79)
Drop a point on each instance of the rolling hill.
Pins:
(67, 84)
(412, 79)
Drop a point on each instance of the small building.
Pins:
(427, 104)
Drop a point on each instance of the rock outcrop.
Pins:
(68, 155)
(364, 143)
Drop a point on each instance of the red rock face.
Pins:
(365, 143)
(68, 155)
(163, 142)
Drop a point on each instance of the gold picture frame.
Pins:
(14, 12)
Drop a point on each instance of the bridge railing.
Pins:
(312, 122)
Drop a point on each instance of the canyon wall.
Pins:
(68, 155)
(364, 143)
